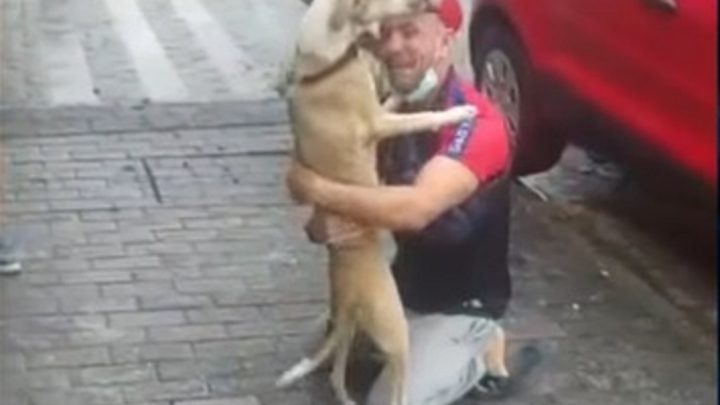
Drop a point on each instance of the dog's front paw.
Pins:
(463, 112)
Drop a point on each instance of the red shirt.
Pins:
(481, 144)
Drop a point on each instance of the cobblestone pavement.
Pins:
(168, 267)
(131, 52)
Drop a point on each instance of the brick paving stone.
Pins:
(205, 298)
(96, 277)
(39, 279)
(84, 396)
(147, 318)
(126, 263)
(235, 348)
(93, 305)
(209, 285)
(137, 288)
(296, 311)
(33, 306)
(165, 390)
(187, 333)
(151, 352)
(93, 251)
(40, 379)
(263, 328)
(175, 302)
(106, 336)
(114, 375)
(160, 275)
(69, 358)
(164, 248)
(181, 370)
(248, 400)
(238, 314)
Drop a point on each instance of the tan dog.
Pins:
(337, 121)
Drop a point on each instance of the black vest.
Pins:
(458, 263)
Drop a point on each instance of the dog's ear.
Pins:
(341, 14)
(346, 10)
(373, 29)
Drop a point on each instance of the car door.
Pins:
(651, 64)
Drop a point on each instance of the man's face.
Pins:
(409, 45)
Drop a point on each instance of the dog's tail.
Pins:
(309, 364)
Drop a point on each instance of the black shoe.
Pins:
(491, 387)
(499, 387)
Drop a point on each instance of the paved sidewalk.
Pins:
(169, 267)
(107, 53)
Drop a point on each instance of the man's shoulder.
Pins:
(482, 144)
(472, 95)
(488, 112)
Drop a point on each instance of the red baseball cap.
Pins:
(450, 13)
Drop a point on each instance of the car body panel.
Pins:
(652, 70)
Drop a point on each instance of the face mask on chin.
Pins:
(424, 89)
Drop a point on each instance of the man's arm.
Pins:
(442, 183)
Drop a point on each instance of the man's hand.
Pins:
(300, 181)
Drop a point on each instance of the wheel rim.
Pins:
(500, 84)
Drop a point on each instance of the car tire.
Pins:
(537, 145)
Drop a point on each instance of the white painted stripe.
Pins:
(233, 64)
(160, 80)
(68, 75)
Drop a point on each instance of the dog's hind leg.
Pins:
(390, 333)
(308, 365)
(398, 364)
(338, 374)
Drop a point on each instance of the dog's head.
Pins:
(359, 15)
(330, 26)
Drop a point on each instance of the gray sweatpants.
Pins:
(445, 359)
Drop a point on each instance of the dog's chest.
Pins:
(341, 155)
(332, 124)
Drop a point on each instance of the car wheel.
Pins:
(504, 74)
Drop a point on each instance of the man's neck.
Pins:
(436, 99)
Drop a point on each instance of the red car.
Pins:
(636, 78)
